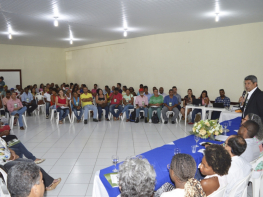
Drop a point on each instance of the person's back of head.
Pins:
(237, 144)
(183, 169)
(25, 179)
(218, 158)
(137, 178)
(252, 128)
(257, 119)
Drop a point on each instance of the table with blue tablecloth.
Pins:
(159, 158)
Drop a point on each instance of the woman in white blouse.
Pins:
(182, 172)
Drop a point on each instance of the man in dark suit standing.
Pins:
(253, 103)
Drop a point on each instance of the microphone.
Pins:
(243, 95)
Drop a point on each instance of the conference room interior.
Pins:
(199, 45)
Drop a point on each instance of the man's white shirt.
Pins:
(252, 151)
(238, 170)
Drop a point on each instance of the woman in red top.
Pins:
(62, 106)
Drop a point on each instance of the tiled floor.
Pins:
(76, 151)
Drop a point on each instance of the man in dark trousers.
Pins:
(253, 103)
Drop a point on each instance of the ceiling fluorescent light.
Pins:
(55, 21)
(125, 33)
(10, 36)
(71, 42)
(217, 17)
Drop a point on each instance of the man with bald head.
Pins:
(248, 130)
(240, 168)
(161, 92)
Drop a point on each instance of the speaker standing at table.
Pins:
(253, 103)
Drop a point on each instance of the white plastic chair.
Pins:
(12, 121)
(218, 193)
(239, 185)
(39, 97)
(3, 184)
(256, 179)
(57, 119)
(52, 113)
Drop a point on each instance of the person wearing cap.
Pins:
(2, 83)
(141, 87)
(116, 101)
(141, 104)
(3, 93)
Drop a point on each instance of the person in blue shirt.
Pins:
(221, 99)
(170, 104)
(28, 101)
(147, 94)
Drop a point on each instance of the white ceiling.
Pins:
(93, 21)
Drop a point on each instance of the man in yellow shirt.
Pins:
(86, 101)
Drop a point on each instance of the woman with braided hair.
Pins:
(182, 172)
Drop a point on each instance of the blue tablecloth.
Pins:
(160, 157)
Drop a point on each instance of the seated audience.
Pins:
(41, 87)
(112, 89)
(215, 165)
(62, 106)
(19, 90)
(25, 180)
(141, 87)
(35, 86)
(2, 83)
(119, 87)
(240, 168)
(108, 92)
(128, 104)
(104, 91)
(124, 88)
(102, 103)
(16, 109)
(3, 93)
(182, 171)
(155, 103)
(154, 88)
(5, 100)
(178, 97)
(16, 145)
(132, 91)
(248, 131)
(87, 105)
(161, 92)
(141, 104)
(44, 90)
(221, 99)
(170, 104)
(94, 90)
(188, 99)
(137, 177)
(76, 106)
(205, 102)
(75, 89)
(116, 101)
(47, 97)
(33, 92)
(146, 93)
(10, 159)
(28, 101)
(259, 135)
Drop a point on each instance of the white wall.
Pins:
(202, 60)
(38, 64)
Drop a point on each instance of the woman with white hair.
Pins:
(137, 178)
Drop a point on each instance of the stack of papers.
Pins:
(113, 179)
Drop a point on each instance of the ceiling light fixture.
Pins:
(10, 36)
(10, 31)
(125, 33)
(55, 21)
(70, 36)
(217, 17)
(217, 11)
